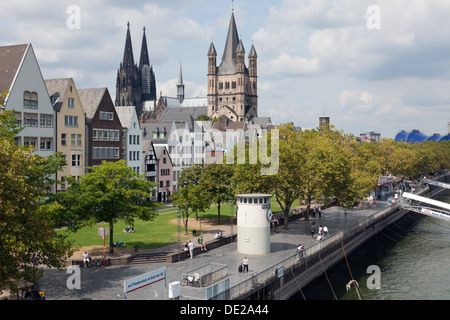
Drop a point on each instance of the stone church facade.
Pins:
(135, 83)
(232, 86)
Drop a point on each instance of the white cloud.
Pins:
(314, 55)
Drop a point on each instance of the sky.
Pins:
(369, 65)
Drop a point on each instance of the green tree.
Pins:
(109, 193)
(27, 234)
(190, 198)
(284, 182)
(216, 181)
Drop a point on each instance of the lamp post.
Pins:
(231, 217)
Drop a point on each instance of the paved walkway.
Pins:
(107, 283)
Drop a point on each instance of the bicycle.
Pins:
(192, 280)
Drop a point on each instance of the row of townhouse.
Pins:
(185, 142)
(82, 124)
(86, 127)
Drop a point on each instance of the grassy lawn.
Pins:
(153, 234)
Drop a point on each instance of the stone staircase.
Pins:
(148, 257)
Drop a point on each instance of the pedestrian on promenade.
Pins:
(300, 249)
(325, 230)
(191, 249)
(320, 212)
(312, 231)
(245, 263)
(345, 213)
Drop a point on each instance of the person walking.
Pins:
(300, 251)
(245, 264)
(191, 249)
(312, 231)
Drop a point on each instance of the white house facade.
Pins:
(21, 75)
(132, 137)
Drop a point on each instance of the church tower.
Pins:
(232, 87)
(180, 86)
(135, 84)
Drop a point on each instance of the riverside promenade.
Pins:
(102, 283)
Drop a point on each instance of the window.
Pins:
(71, 121)
(30, 141)
(30, 119)
(63, 139)
(30, 100)
(18, 116)
(46, 144)
(116, 152)
(76, 160)
(63, 183)
(75, 139)
(106, 115)
(71, 103)
(94, 134)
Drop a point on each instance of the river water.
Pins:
(412, 257)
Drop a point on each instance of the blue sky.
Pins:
(368, 71)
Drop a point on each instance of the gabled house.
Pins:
(70, 127)
(103, 127)
(165, 183)
(21, 76)
(150, 166)
(132, 139)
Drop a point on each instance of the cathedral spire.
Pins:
(128, 59)
(144, 59)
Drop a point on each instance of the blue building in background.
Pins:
(417, 136)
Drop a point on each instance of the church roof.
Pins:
(252, 53)
(228, 65)
(212, 50)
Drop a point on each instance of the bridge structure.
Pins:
(426, 206)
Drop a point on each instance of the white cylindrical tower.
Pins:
(253, 223)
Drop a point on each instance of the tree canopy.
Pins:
(109, 193)
(27, 232)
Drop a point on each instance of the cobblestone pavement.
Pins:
(107, 283)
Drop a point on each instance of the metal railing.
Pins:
(208, 273)
(247, 285)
